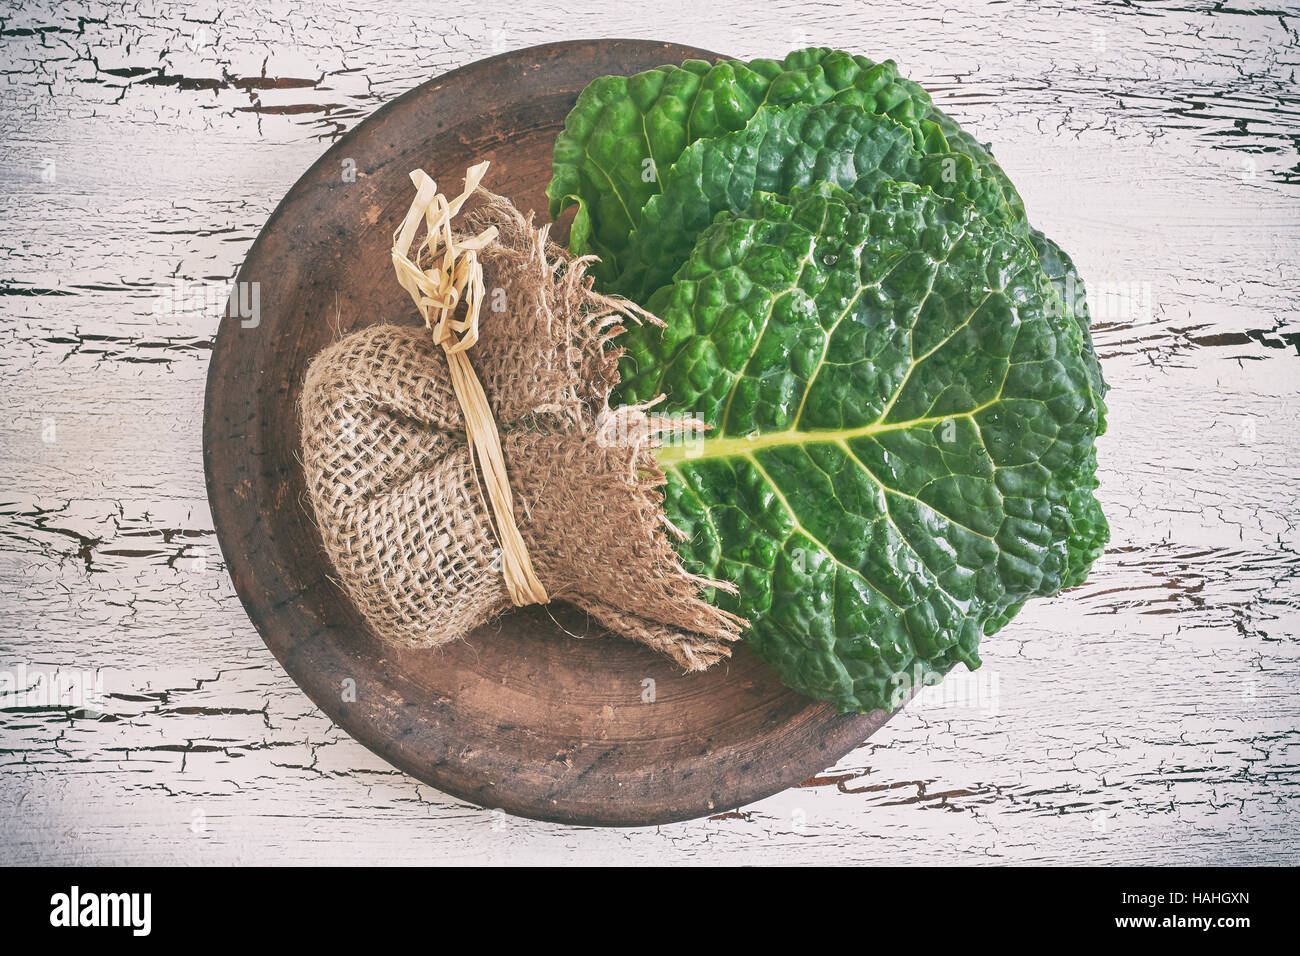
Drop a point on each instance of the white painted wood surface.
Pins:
(1148, 717)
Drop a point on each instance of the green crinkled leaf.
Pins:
(1060, 271)
(715, 137)
(903, 429)
(963, 142)
(780, 148)
(1057, 266)
(625, 132)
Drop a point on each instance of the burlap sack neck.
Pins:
(397, 498)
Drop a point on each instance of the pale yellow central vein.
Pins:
(746, 445)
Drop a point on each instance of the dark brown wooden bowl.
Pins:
(524, 716)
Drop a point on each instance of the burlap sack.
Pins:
(397, 498)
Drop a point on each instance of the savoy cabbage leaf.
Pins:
(897, 368)
(625, 135)
(781, 148)
(626, 131)
(902, 435)
(778, 149)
